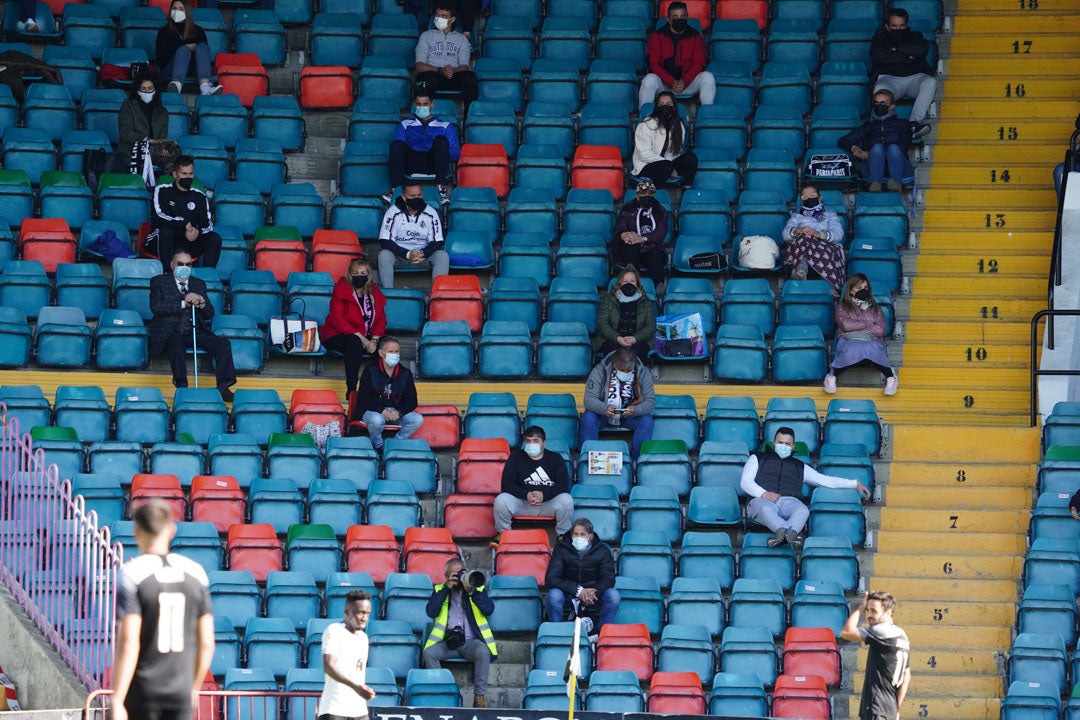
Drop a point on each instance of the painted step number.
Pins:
(994, 220)
(988, 266)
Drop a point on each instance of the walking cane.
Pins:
(194, 347)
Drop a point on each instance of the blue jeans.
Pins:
(409, 422)
(178, 68)
(609, 605)
(641, 425)
(896, 159)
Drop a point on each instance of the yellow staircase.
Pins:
(951, 536)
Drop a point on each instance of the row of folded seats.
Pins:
(1044, 665)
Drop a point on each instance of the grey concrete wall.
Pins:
(1066, 353)
(42, 679)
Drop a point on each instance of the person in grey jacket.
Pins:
(619, 393)
(442, 57)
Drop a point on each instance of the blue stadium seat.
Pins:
(62, 337)
(297, 205)
(141, 415)
(200, 542)
(258, 412)
(546, 690)
(722, 126)
(573, 299)
(655, 509)
(88, 26)
(260, 32)
(492, 122)
(837, 511)
(646, 554)
(227, 646)
(120, 341)
(250, 679)
(337, 39)
(255, 293)
(340, 584)
(247, 341)
(29, 149)
(16, 338)
(384, 77)
(547, 121)
(800, 414)
(293, 456)
(707, 555)
(584, 256)
(1031, 700)
(394, 646)
(749, 650)
(235, 595)
(553, 643)
(510, 37)
(740, 353)
(278, 118)
(1053, 561)
(778, 127)
(847, 40)
(794, 41)
(621, 482)
(697, 601)
(738, 694)
(139, 27)
(715, 506)
(505, 350)
(758, 561)
(589, 212)
(564, 350)
(829, 558)
(819, 603)
(493, 415)
(99, 109)
(183, 459)
(798, 354)
(445, 350)
(622, 38)
(600, 504)
(353, 458)
(411, 460)
(735, 41)
(519, 597)
(757, 603)
(771, 169)
(431, 688)
(276, 502)
(271, 642)
(200, 412)
(404, 597)
(605, 123)
(334, 502)
(1038, 657)
(260, 161)
(614, 691)
(557, 413)
(500, 81)
(292, 595)
(611, 81)
(49, 108)
(541, 167)
(393, 503)
(879, 260)
(687, 647)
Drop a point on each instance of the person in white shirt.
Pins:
(345, 657)
(411, 234)
(773, 479)
(442, 57)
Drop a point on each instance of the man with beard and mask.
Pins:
(888, 660)
(182, 219)
(640, 230)
(534, 482)
(411, 234)
(660, 152)
(625, 318)
(424, 143)
(898, 64)
(619, 393)
(774, 479)
(583, 570)
(442, 57)
(387, 395)
(677, 59)
(172, 297)
(881, 143)
(814, 240)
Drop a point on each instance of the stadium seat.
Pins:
(801, 696)
(505, 350)
(758, 561)
(431, 688)
(254, 547)
(199, 411)
(393, 503)
(235, 595)
(271, 642)
(519, 597)
(654, 508)
(275, 502)
(583, 255)
(183, 459)
(646, 554)
(697, 601)
(340, 584)
(491, 123)
(120, 341)
(293, 455)
(564, 350)
(427, 550)
(798, 354)
(457, 298)
(493, 415)
(619, 482)
(819, 604)
(665, 463)
(557, 414)
(812, 651)
(62, 448)
(686, 647)
(676, 692)
(62, 338)
(800, 414)
(164, 487)
(553, 643)
(445, 350)
(83, 409)
(614, 691)
(737, 693)
(1048, 609)
(547, 121)
(831, 559)
(393, 646)
(404, 598)
(326, 87)
(247, 341)
(373, 549)
(1030, 700)
(218, 500)
(546, 690)
(758, 602)
(598, 167)
(720, 464)
(525, 552)
(625, 647)
(749, 650)
(740, 353)
(510, 37)
(837, 511)
(258, 413)
(1037, 657)
(334, 502)
(292, 595)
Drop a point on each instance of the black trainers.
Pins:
(777, 539)
(918, 129)
(792, 538)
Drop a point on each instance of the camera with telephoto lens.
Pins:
(455, 637)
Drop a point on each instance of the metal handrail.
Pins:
(1037, 372)
(1072, 156)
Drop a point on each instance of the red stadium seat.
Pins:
(598, 167)
(523, 552)
(372, 549)
(457, 297)
(427, 551)
(326, 88)
(255, 548)
(333, 250)
(812, 651)
(47, 240)
(209, 707)
(483, 165)
(315, 406)
(280, 257)
(757, 10)
(145, 486)
(625, 647)
(480, 464)
(217, 499)
(677, 693)
(801, 696)
(700, 10)
(469, 517)
(442, 426)
(243, 75)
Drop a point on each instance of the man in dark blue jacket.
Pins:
(899, 64)
(424, 143)
(882, 143)
(582, 569)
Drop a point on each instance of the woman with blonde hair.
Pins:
(860, 334)
(356, 321)
(179, 42)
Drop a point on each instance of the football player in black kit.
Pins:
(888, 662)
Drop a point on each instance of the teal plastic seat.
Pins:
(757, 603)
(564, 350)
(646, 554)
(707, 555)
(697, 601)
(445, 350)
(740, 353)
(819, 603)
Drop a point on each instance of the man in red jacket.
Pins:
(677, 60)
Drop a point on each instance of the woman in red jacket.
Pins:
(356, 321)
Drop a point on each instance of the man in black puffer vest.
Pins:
(773, 479)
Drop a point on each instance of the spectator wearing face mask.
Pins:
(625, 318)
(442, 56)
(534, 482)
(182, 218)
(619, 393)
(143, 117)
(424, 143)
(356, 321)
(387, 395)
(677, 57)
(881, 143)
(660, 145)
(582, 570)
(814, 240)
(180, 44)
(898, 63)
(640, 230)
(860, 334)
(411, 234)
(774, 480)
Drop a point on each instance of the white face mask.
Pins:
(580, 544)
(442, 24)
(624, 376)
(533, 449)
(392, 359)
(147, 97)
(178, 16)
(784, 451)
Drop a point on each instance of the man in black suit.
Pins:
(172, 296)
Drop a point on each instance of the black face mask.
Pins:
(881, 109)
(628, 289)
(359, 281)
(862, 294)
(183, 183)
(647, 201)
(678, 24)
(415, 204)
(665, 112)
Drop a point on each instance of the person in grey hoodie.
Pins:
(442, 57)
(619, 393)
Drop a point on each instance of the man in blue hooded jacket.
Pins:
(424, 143)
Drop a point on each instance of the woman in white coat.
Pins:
(660, 152)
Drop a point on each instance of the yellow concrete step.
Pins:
(999, 197)
(929, 707)
(945, 406)
(1017, 67)
(977, 286)
(986, 175)
(997, 109)
(1006, 153)
(975, 637)
(1019, 26)
(984, 331)
(933, 239)
(1012, 265)
(974, 475)
(937, 662)
(953, 445)
(955, 566)
(922, 373)
(1013, 90)
(932, 612)
(956, 496)
(991, 219)
(971, 543)
(967, 355)
(905, 588)
(1017, 10)
(948, 686)
(1011, 310)
(1003, 131)
(1022, 39)
(959, 519)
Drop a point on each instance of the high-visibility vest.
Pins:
(438, 631)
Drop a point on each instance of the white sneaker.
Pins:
(891, 384)
(29, 25)
(176, 86)
(209, 89)
(830, 384)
